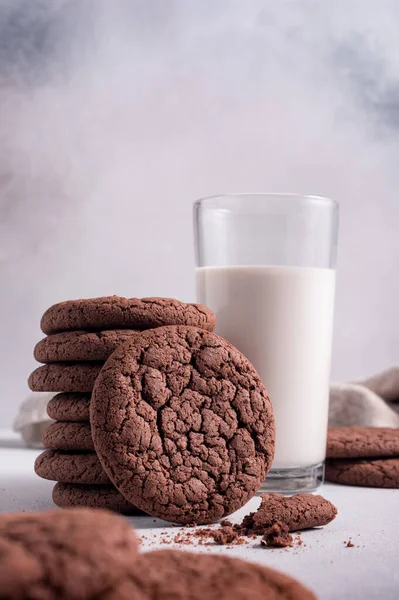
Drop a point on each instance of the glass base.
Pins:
(294, 480)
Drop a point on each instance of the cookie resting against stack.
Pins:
(82, 334)
(363, 456)
(180, 424)
(91, 554)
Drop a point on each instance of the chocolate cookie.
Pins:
(64, 377)
(115, 312)
(301, 511)
(72, 554)
(68, 436)
(182, 424)
(71, 467)
(383, 472)
(362, 442)
(69, 407)
(167, 574)
(80, 345)
(66, 495)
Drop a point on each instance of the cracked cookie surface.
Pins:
(62, 435)
(72, 554)
(64, 377)
(115, 312)
(182, 424)
(362, 442)
(383, 472)
(71, 467)
(80, 345)
(67, 495)
(69, 406)
(167, 574)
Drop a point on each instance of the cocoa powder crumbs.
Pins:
(299, 541)
(182, 539)
(274, 519)
(226, 523)
(277, 536)
(226, 535)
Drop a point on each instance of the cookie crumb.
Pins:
(277, 536)
(226, 535)
(223, 536)
(310, 511)
(350, 545)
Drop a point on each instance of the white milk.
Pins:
(281, 318)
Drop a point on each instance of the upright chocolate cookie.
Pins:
(72, 554)
(71, 467)
(382, 472)
(182, 424)
(67, 495)
(115, 312)
(69, 407)
(75, 346)
(167, 574)
(362, 442)
(68, 436)
(64, 377)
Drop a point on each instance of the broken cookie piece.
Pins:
(277, 536)
(301, 511)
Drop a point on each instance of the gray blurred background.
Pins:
(115, 116)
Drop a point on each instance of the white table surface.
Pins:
(370, 517)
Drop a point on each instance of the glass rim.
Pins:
(206, 200)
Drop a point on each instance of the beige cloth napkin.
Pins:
(32, 418)
(373, 401)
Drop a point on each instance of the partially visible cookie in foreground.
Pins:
(362, 442)
(67, 495)
(182, 424)
(167, 574)
(72, 554)
(64, 377)
(68, 436)
(301, 511)
(383, 472)
(115, 312)
(75, 346)
(70, 467)
(69, 406)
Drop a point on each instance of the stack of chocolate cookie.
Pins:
(180, 423)
(81, 335)
(363, 456)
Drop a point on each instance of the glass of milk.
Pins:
(266, 266)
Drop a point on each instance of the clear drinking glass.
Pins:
(266, 266)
